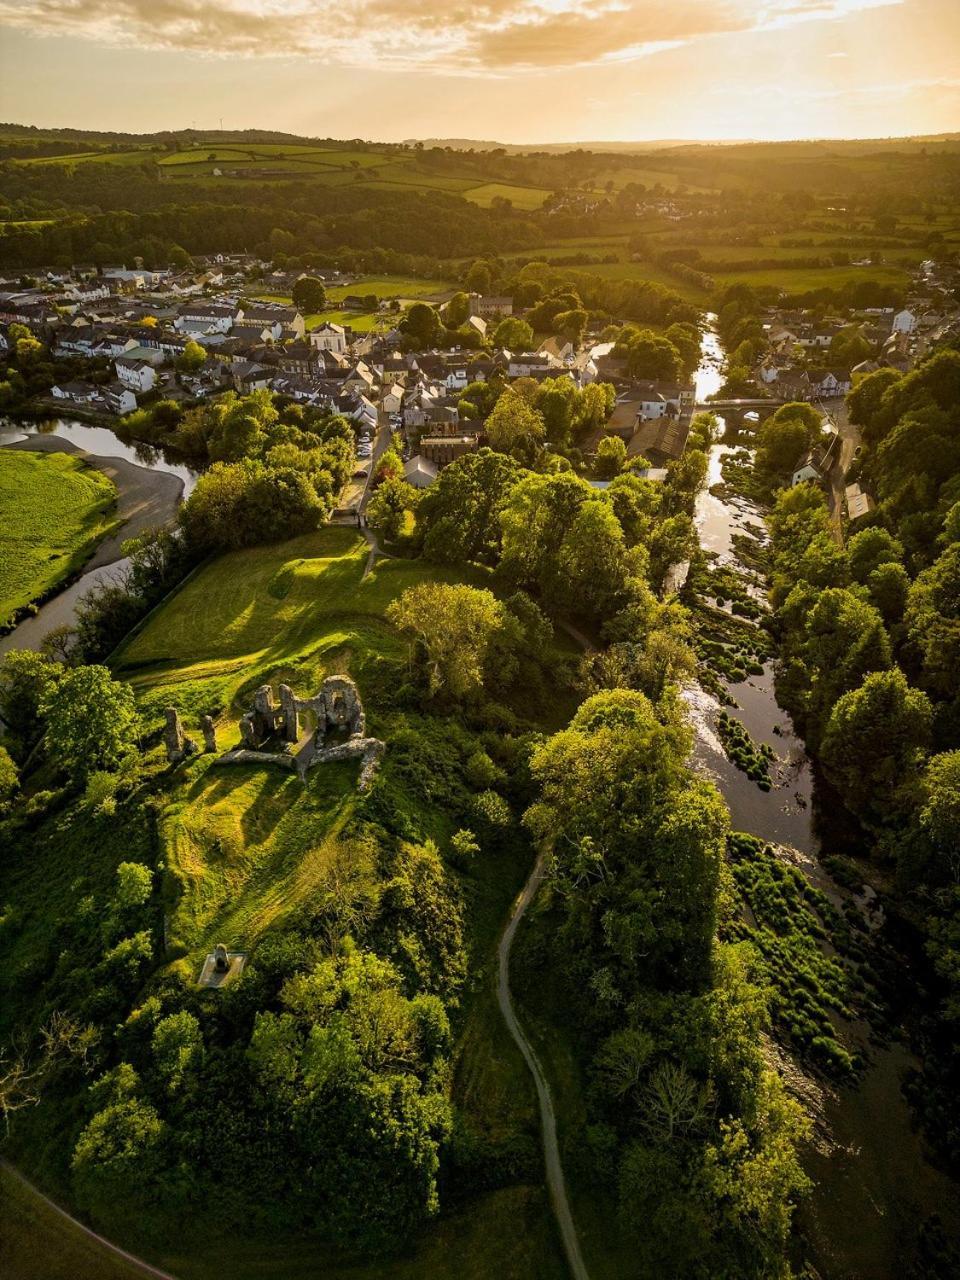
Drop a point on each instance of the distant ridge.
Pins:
(641, 147)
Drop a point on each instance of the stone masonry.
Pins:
(276, 725)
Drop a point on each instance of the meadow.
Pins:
(54, 509)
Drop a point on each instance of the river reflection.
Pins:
(101, 442)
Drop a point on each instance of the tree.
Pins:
(309, 295)
(26, 680)
(781, 445)
(9, 780)
(421, 326)
(648, 354)
(91, 720)
(451, 630)
(514, 333)
(514, 427)
(459, 515)
(391, 509)
(940, 815)
(192, 358)
(457, 311)
(933, 622)
(478, 278)
(177, 1045)
(871, 548)
(874, 744)
(611, 456)
(571, 324)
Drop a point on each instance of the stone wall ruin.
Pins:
(270, 732)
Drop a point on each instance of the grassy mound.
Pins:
(53, 511)
(295, 610)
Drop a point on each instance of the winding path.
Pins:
(145, 1268)
(548, 1119)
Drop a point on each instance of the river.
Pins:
(150, 487)
(874, 1182)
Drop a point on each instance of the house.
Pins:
(248, 376)
(138, 375)
(204, 316)
(533, 364)
(832, 383)
(420, 471)
(442, 450)
(76, 392)
(807, 469)
(858, 503)
(489, 306)
(119, 399)
(904, 321)
(794, 384)
(478, 324)
(277, 319)
(392, 399)
(651, 405)
(561, 349)
(360, 378)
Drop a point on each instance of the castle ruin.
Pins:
(272, 730)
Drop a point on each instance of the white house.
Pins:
(138, 375)
(270, 315)
(392, 399)
(835, 382)
(202, 315)
(904, 322)
(489, 306)
(651, 405)
(329, 337)
(76, 392)
(806, 470)
(119, 399)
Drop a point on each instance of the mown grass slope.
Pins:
(292, 610)
(54, 509)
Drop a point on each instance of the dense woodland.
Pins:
(868, 640)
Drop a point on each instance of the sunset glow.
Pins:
(514, 70)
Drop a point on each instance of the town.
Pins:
(133, 337)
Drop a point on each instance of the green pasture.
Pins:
(521, 197)
(54, 509)
(388, 287)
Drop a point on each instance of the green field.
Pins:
(246, 847)
(54, 509)
(389, 287)
(359, 321)
(520, 197)
(801, 279)
(94, 157)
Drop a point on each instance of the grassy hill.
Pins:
(244, 851)
(54, 509)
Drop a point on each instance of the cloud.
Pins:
(489, 37)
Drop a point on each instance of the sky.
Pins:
(520, 71)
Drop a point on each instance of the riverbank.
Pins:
(54, 511)
(149, 493)
(875, 1181)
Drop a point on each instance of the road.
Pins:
(380, 445)
(836, 411)
(548, 1120)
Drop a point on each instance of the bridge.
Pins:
(738, 406)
